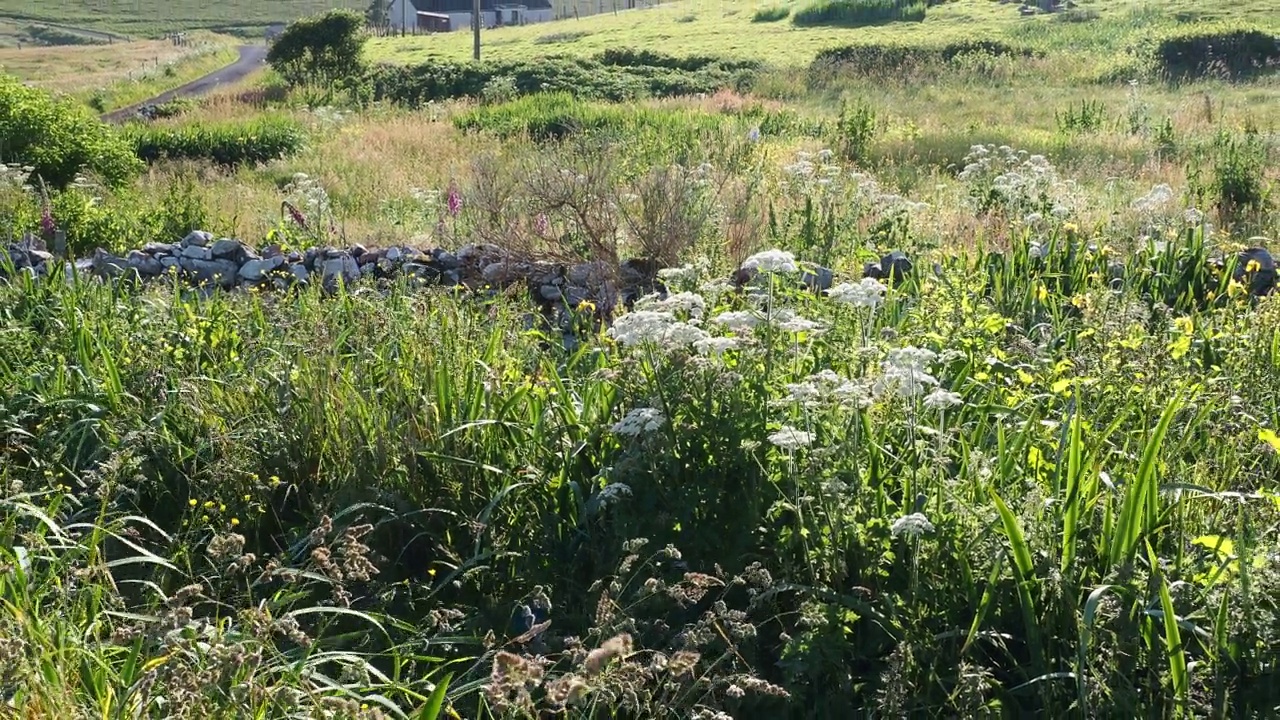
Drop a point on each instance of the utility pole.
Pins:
(475, 25)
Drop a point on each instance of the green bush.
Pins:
(892, 57)
(859, 13)
(775, 13)
(233, 143)
(326, 48)
(616, 75)
(1220, 51)
(58, 138)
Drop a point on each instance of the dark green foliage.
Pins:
(324, 49)
(891, 57)
(775, 13)
(616, 75)
(234, 143)
(859, 13)
(1216, 52)
(57, 137)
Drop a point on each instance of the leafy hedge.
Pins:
(859, 13)
(1218, 51)
(889, 57)
(58, 138)
(233, 143)
(615, 75)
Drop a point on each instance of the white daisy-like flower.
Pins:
(771, 261)
(639, 421)
(914, 525)
(790, 439)
(942, 399)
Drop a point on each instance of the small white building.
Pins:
(449, 15)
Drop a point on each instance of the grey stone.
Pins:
(169, 261)
(392, 254)
(220, 272)
(197, 238)
(896, 265)
(550, 292)
(155, 248)
(106, 264)
(145, 264)
(1256, 266)
(254, 270)
(446, 260)
(227, 249)
(357, 250)
(197, 252)
(343, 267)
(819, 278)
(499, 273)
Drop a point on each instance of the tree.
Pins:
(378, 13)
(325, 49)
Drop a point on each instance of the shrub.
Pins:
(859, 13)
(326, 48)
(891, 57)
(616, 75)
(1220, 51)
(233, 143)
(774, 13)
(58, 138)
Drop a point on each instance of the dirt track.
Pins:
(251, 58)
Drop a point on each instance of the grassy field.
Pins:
(689, 27)
(1038, 475)
(153, 18)
(118, 75)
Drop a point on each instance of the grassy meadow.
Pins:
(1035, 474)
(154, 18)
(121, 74)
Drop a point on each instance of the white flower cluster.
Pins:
(827, 386)
(1021, 181)
(639, 421)
(691, 304)
(655, 326)
(308, 195)
(867, 292)
(790, 439)
(1155, 202)
(771, 261)
(906, 372)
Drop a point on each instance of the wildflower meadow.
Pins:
(651, 386)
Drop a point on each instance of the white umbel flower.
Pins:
(867, 292)
(790, 439)
(942, 399)
(738, 321)
(639, 421)
(771, 261)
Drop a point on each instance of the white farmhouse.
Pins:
(450, 15)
